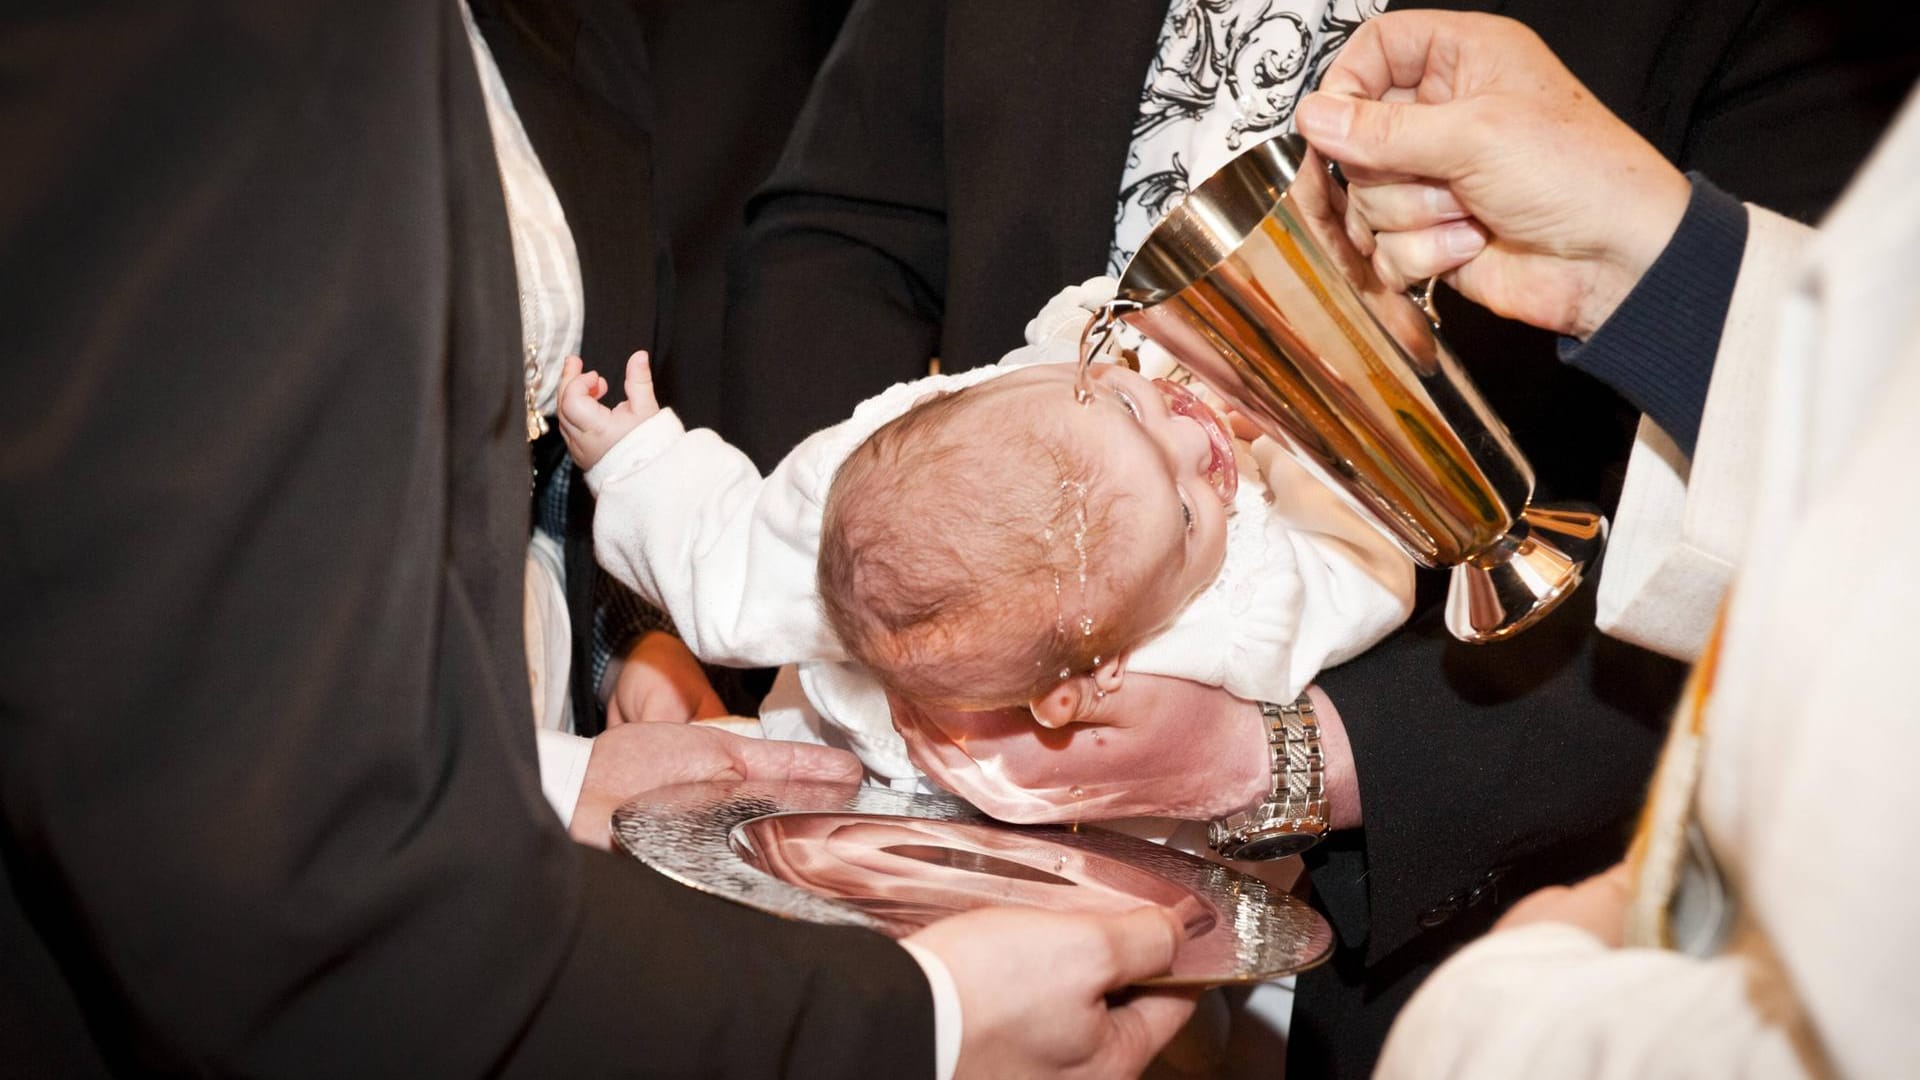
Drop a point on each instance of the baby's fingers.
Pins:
(569, 379)
(579, 405)
(640, 385)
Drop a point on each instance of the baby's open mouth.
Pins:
(1222, 475)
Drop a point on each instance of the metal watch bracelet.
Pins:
(1294, 815)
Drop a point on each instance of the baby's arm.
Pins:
(685, 520)
(591, 428)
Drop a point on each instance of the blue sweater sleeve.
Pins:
(1658, 348)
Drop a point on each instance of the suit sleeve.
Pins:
(1486, 770)
(843, 260)
(1801, 95)
(266, 764)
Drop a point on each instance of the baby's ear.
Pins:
(1075, 698)
(1064, 703)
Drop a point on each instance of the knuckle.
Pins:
(1384, 267)
(1388, 123)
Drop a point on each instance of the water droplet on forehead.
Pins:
(1076, 492)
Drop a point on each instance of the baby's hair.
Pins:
(964, 553)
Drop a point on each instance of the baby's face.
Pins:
(1168, 464)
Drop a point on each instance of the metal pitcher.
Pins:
(1252, 284)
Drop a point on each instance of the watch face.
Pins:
(1275, 846)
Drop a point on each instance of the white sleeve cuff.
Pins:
(1681, 525)
(563, 769)
(636, 449)
(946, 1010)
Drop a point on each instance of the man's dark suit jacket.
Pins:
(959, 163)
(266, 763)
(728, 78)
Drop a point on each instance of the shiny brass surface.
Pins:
(1252, 284)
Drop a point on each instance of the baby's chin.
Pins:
(1156, 608)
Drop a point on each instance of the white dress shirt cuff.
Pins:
(946, 1010)
(563, 769)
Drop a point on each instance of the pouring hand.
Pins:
(1472, 151)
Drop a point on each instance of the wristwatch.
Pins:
(1293, 816)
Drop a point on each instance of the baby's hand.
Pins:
(660, 680)
(591, 428)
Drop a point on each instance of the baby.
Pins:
(985, 540)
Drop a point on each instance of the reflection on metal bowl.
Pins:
(894, 862)
(933, 869)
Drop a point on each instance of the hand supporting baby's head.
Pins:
(987, 549)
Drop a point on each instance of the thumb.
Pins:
(1142, 943)
(1144, 1024)
(1404, 138)
(640, 381)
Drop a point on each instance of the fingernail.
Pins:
(1324, 116)
(1463, 239)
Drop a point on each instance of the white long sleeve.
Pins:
(1568, 1006)
(686, 521)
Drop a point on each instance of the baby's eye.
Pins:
(1126, 402)
(1186, 513)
